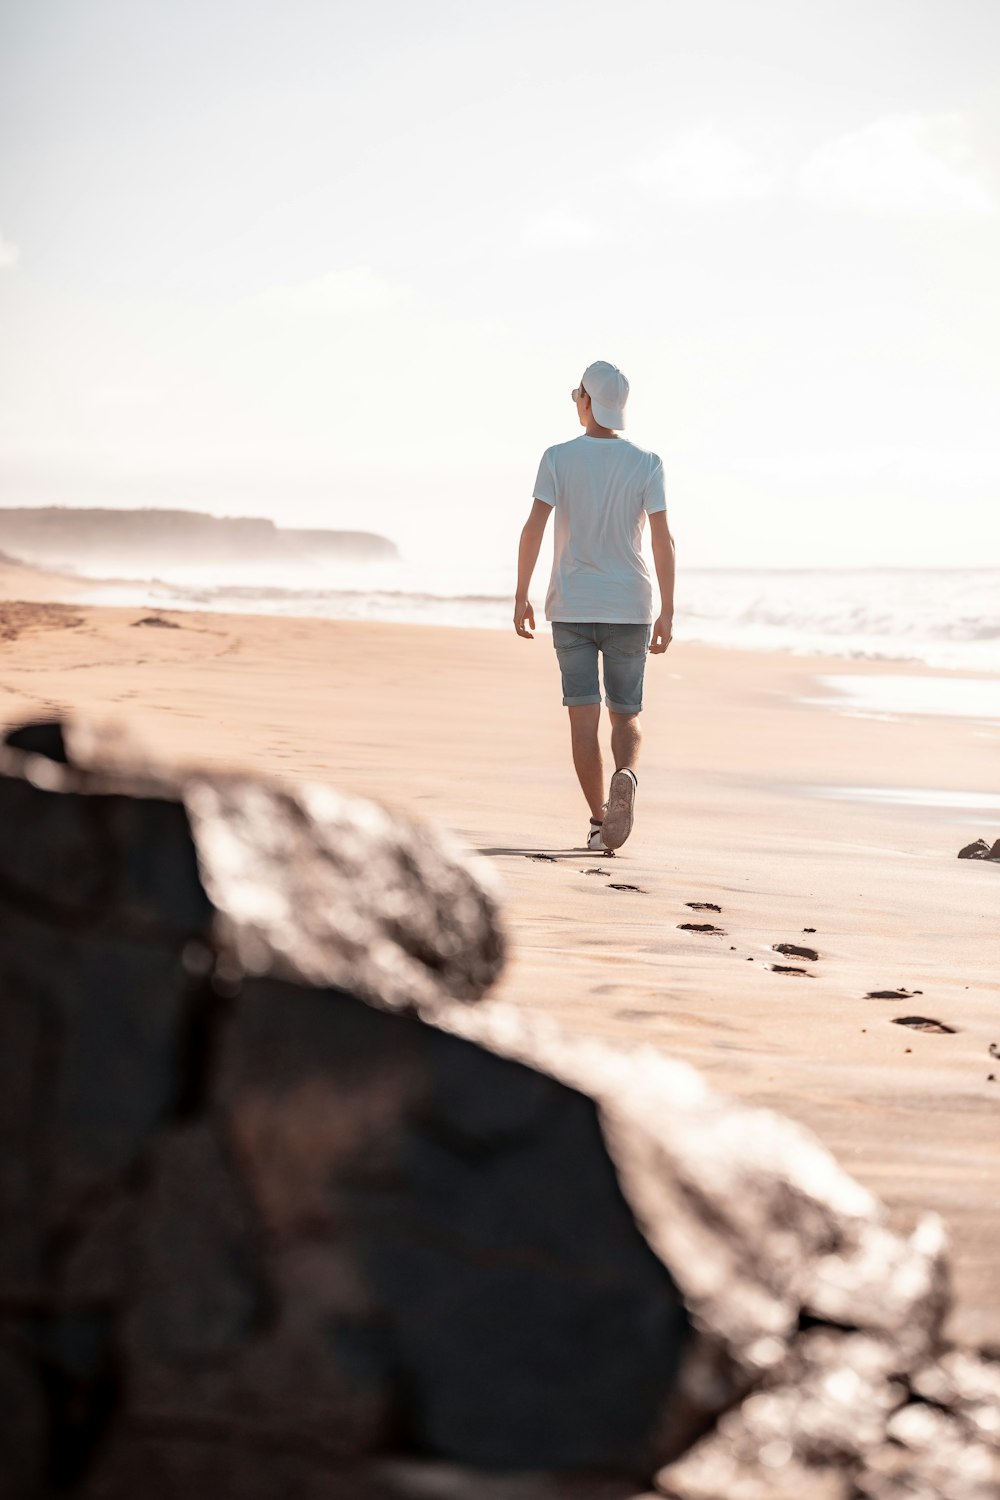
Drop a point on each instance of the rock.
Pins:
(275, 1211)
(794, 950)
(423, 1480)
(23, 1419)
(292, 880)
(278, 1205)
(536, 1323)
(711, 1182)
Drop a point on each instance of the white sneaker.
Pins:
(618, 818)
(595, 838)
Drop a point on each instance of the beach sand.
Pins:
(466, 727)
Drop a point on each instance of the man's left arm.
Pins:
(527, 556)
(663, 561)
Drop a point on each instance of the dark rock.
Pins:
(711, 1182)
(520, 1302)
(699, 927)
(409, 1479)
(900, 994)
(198, 1287)
(90, 1049)
(788, 969)
(159, 621)
(295, 881)
(24, 1419)
(278, 1203)
(74, 1357)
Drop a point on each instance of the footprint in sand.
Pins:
(703, 906)
(899, 994)
(595, 872)
(792, 950)
(924, 1023)
(548, 859)
(700, 927)
(612, 886)
(787, 969)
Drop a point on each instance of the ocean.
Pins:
(939, 617)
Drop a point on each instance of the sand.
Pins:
(466, 727)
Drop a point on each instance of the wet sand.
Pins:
(466, 727)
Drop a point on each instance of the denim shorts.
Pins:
(624, 649)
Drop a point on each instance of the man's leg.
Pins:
(587, 759)
(626, 739)
(625, 648)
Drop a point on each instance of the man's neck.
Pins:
(594, 429)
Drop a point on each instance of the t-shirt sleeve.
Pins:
(545, 483)
(654, 497)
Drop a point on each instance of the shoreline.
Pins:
(466, 727)
(894, 633)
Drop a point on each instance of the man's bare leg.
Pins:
(626, 739)
(587, 759)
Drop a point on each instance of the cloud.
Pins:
(356, 289)
(701, 165)
(902, 164)
(559, 230)
(8, 254)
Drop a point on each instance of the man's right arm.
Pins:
(527, 555)
(663, 561)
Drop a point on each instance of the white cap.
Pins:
(608, 391)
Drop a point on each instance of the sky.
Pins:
(341, 265)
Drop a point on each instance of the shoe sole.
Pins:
(620, 810)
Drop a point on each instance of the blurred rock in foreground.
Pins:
(283, 1214)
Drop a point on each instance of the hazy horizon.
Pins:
(340, 268)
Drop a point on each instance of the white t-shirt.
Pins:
(602, 490)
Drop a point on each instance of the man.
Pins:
(600, 600)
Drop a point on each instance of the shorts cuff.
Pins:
(581, 702)
(624, 708)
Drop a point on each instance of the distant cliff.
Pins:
(66, 537)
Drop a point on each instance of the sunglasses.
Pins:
(578, 393)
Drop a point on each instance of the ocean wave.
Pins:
(948, 618)
(417, 597)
